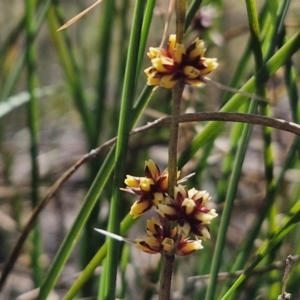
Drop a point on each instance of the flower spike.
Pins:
(151, 188)
(178, 63)
(189, 209)
(155, 242)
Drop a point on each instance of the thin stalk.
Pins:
(88, 204)
(123, 36)
(96, 189)
(12, 78)
(168, 260)
(33, 119)
(211, 129)
(72, 71)
(228, 161)
(237, 128)
(90, 242)
(106, 30)
(278, 21)
(191, 12)
(272, 185)
(267, 203)
(74, 78)
(289, 224)
(230, 196)
(108, 279)
(260, 71)
(144, 34)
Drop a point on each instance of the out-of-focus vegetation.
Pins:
(61, 94)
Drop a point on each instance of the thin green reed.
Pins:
(88, 204)
(149, 9)
(106, 36)
(107, 27)
(96, 261)
(245, 137)
(33, 121)
(229, 200)
(96, 189)
(270, 197)
(237, 128)
(289, 224)
(212, 128)
(12, 78)
(72, 71)
(278, 20)
(123, 14)
(103, 179)
(260, 90)
(108, 279)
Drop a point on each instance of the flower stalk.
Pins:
(183, 213)
(168, 260)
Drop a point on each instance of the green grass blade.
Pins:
(290, 224)
(213, 128)
(96, 261)
(267, 204)
(191, 12)
(144, 33)
(65, 249)
(89, 202)
(230, 196)
(106, 34)
(108, 279)
(13, 76)
(72, 72)
(33, 120)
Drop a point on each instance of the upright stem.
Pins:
(168, 260)
(180, 20)
(33, 120)
(172, 163)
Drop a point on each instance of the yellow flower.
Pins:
(156, 242)
(189, 209)
(178, 63)
(187, 246)
(151, 188)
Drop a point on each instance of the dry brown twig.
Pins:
(195, 117)
(79, 16)
(288, 266)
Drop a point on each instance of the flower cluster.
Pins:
(176, 63)
(156, 242)
(188, 209)
(151, 188)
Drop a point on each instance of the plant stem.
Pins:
(168, 260)
(33, 120)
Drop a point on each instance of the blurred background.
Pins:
(85, 64)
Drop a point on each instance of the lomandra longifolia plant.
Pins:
(183, 213)
(188, 210)
(175, 210)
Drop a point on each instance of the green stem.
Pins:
(12, 78)
(106, 29)
(33, 120)
(108, 279)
